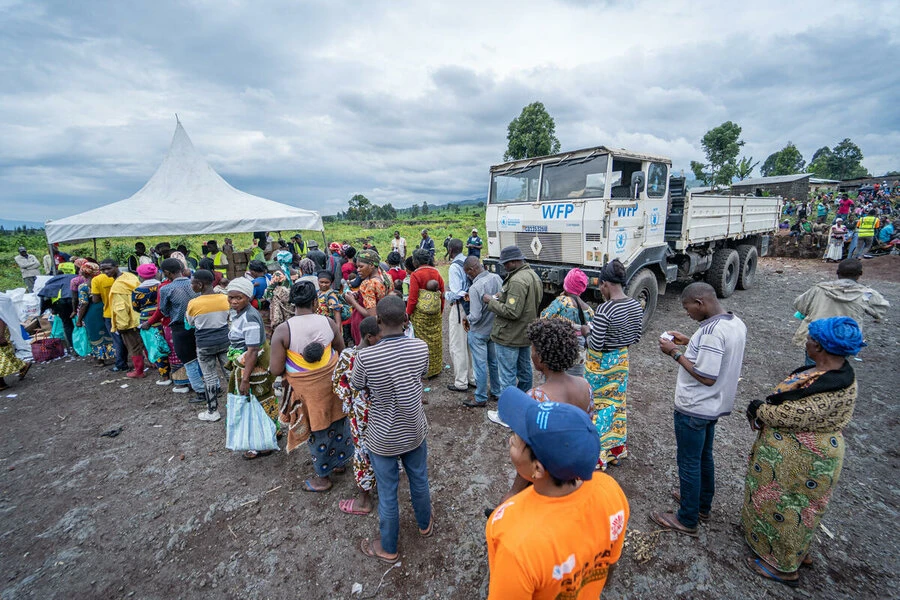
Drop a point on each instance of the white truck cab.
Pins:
(587, 207)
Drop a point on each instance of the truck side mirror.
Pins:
(637, 183)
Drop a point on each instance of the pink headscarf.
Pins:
(179, 257)
(575, 282)
(147, 271)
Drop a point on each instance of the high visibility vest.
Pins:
(866, 227)
(217, 262)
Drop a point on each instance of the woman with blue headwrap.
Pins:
(797, 456)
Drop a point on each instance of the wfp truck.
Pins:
(588, 207)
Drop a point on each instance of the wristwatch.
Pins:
(676, 355)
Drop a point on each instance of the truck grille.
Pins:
(554, 247)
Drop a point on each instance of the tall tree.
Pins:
(721, 145)
(768, 165)
(360, 207)
(789, 161)
(414, 210)
(532, 133)
(424, 208)
(846, 161)
(745, 168)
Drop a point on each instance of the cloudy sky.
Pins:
(311, 102)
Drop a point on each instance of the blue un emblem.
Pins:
(621, 239)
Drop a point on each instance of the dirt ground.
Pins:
(165, 511)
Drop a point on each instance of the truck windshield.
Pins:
(515, 186)
(585, 178)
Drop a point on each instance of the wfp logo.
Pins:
(621, 240)
(654, 218)
(504, 221)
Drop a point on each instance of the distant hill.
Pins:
(11, 224)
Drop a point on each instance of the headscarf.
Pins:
(242, 285)
(284, 259)
(608, 273)
(837, 335)
(79, 262)
(180, 258)
(66, 268)
(575, 282)
(147, 271)
(370, 257)
(89, 269)
(335, 247)
(307, 267)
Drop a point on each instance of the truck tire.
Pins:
(724, 272)
(748, 257)
(644, 288)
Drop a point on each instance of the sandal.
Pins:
(427, 533)
(347, 506)
(758, 566)
(367, 547)
(669, 520)
(677, 495)
(252, 454)
(24, 371)
(308, 487)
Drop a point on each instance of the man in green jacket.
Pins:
(516, 306)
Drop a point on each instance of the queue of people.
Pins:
(354, 346)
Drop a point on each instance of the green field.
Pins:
(439, 223)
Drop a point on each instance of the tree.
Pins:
(481, 205)
(424, 208)
(414, 210)
(721, 145)
(360, 207)
(745, 168)
(768, 165)
(532, 133)
(846, 161)
(789, 161)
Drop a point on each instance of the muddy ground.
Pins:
(165, 511)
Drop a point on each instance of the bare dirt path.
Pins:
(165, 511)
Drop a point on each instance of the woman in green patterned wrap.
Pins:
(797, 457)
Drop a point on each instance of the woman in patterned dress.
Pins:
(9, 362)
(356, 407)
(90, 316)
(425, 308)
(371, 290)
(572, 308)
(145, 300)
(797, 457)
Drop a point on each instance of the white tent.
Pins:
(185, 196)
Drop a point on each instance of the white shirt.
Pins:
(399, 245)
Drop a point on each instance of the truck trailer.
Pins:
(587, 207)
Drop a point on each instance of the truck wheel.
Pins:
(747, 258)
(724, 271)
(644, 289)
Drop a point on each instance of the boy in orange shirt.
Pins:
(562, 536)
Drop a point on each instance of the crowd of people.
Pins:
(848, 227)
(317, 338)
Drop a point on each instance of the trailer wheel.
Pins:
(644, 288)
(748, 257)
(724, 272)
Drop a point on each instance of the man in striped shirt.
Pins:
(392, 372)
(208, 315)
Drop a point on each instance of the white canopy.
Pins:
(185, 196)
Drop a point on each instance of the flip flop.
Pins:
(759, 567)
(307, 487)
(668, 520)
(367, 547)
(427, 533)
(346, 506)
(253, 454)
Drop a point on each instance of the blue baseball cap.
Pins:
(561, 436)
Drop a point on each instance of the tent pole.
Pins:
(95, 248)
(324, 241)
(52, 259)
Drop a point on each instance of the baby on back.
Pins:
(432, 286)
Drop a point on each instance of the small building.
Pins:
(851, 185)
(789, 187)
(817, 185)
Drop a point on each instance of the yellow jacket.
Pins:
(122, 312)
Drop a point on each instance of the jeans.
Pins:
(863, 246)
(195, 375)
(118, 346)
(696, 470)
(387, 478)
(854, 240)
(514, 364)
(29, 283)
(210, 360)
(484, 361)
